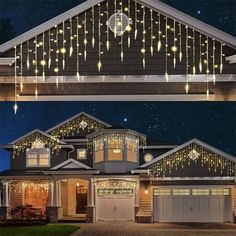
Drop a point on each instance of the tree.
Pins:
(6, 30)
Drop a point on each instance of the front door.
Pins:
(81, 199)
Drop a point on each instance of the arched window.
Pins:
(38, 155)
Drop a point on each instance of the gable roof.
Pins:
(75, 116)
(39, 131)
(156, 5)
(196, 141)
(71, 161)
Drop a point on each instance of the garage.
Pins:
(115, 204)
(192, 204)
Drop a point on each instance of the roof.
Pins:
(39, 131)
(65, 164)
(75, 116)
(196, 141)
(153, 4)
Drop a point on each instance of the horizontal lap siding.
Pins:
(16, 198)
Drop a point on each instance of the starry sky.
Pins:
(175, 123)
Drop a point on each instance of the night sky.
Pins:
(213, 123)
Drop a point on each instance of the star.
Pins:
(198, 12)
(125, 119)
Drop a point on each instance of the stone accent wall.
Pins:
(90, 214)
(53, 214)
(4, 212)
(144, 219)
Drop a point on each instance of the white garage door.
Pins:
(192, 204)
(115, 205)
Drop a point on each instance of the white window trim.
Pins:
(77, 154)
(38, 154)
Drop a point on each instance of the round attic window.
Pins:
(148, 157)
(119, 23)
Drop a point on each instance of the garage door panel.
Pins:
(198, 206)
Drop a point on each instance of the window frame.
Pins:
(38, 152)
(77, 154)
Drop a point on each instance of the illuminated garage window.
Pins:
(221, 191)
(162, 192)
(201, 191)
(181, 192)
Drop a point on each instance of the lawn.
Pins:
(44, 230)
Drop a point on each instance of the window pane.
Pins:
(43, 159)
(181, 192)
(221, 191)
(99, 156)
(32, 162)
(115, 154)
(162, 192)
(131, 156)
(201, 191)
(32, 159)
(81, 153)
(98, 144)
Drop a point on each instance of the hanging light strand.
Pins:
(49, 49)
(28, 56)
(115, 29)
(200, 53)
(36, 68)
(77, 48)
(63, 51)
(221, 58)
(151, 47)
(187, 60)
(21, 68)
(135, 21)
(99, 38)
(180, 43)
(43, 63)
(71, 38)
(194, 66)
(129, 21)
(122, 36)
(174, 49)
(93, 27)
(213, 62)
(15, 107)
(166, 52)
(207, 64)
(159, 33)
(144, 38)
(108, 31)
(57, 57)
(85, 36)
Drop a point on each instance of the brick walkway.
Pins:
(134, 229)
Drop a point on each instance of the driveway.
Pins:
(134, 229)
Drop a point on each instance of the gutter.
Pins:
(140, 171)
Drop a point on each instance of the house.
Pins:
(114, 50)
(84, 167)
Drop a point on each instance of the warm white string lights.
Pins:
(159, 33)
(151, 47)
(56, 69)
(122, 35)
(136, 21)
(99, 65)
(166, 47)
(221, 58)
(71, 38)
(187, 59)
(193, 54)
(36, 68)
(77, 49)
(174, 48)
(49, 49)
(21, 68)
(108, 31)
(213, 62)
(180, 43)
(129, 40)
(85, 36)
(207, 67)
(15, 107)
(200, 53)
(43, 62)
(63, 50)
(144, 38)
(28, 56)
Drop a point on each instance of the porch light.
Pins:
(77, 184)
(146, 191)
(116, 151)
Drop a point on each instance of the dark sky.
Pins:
(176, 123)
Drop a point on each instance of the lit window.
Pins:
(162, 192)
(181, 192)
(81, 154)
(221, 191)
(202, 191)
(115, 151)
(132, 152)
(99, 150)
(38, 155)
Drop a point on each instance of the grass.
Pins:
(44, 230)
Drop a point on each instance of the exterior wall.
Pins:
(64, 197)
(15, 197)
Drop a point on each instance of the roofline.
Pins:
(110, 130)
(34, 131)
(171, 12)
(68, 161)
(165, 146)
(231, 59)
(73, 117)
(48, 24)
(207, 146)
(194, 23)
(7, 61)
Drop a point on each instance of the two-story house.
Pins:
(84, 167)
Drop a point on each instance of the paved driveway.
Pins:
(134, 229)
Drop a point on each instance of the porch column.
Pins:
(57, 194)
(90, 216)
(5, 194)
(50, 194)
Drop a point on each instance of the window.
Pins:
(181, 192)
(221, 191)
(115, 151)
(162, 192)
(38, 155)
(203, 191)
(99, 150)
(132, 152)
(81, 154)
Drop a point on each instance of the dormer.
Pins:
(115, 149)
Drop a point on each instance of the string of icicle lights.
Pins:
(87, 36)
